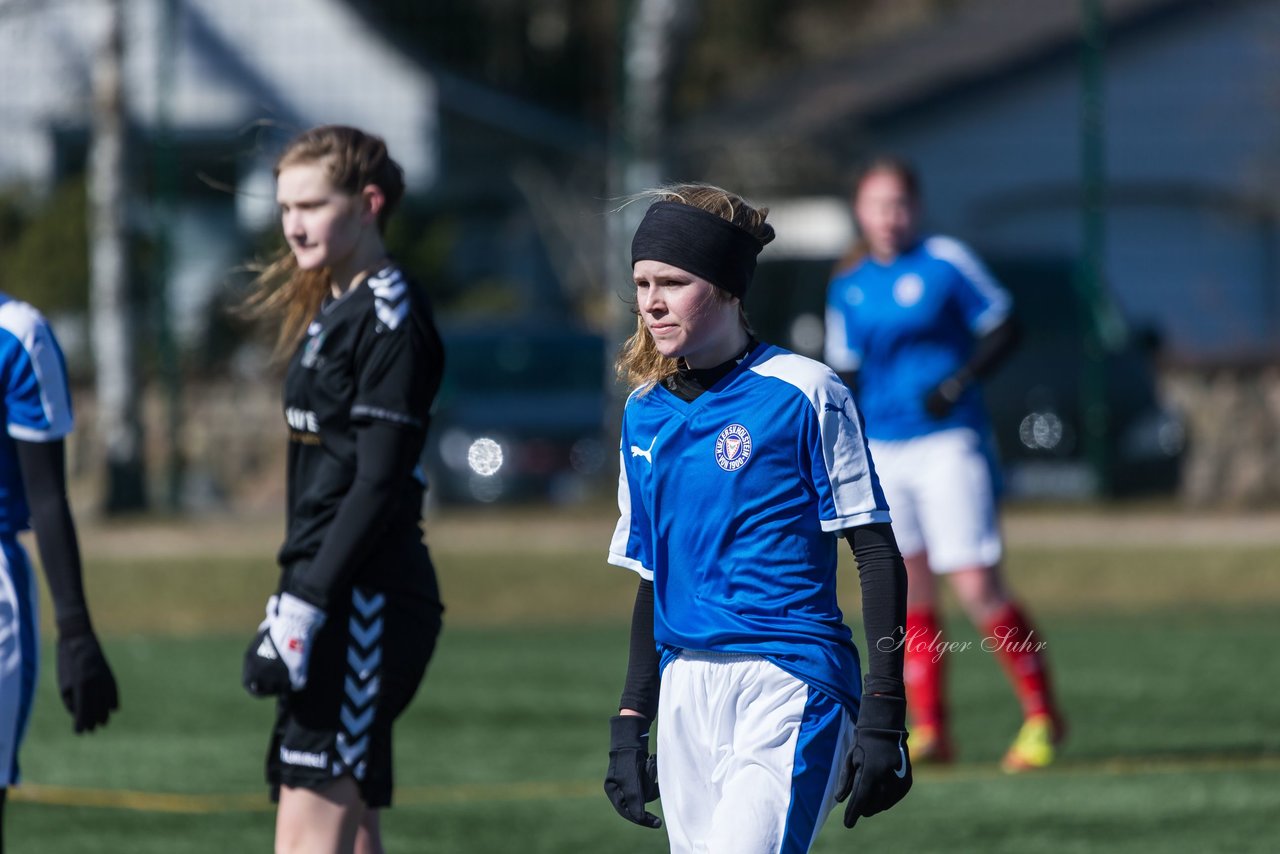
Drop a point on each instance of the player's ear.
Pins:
(372, 201)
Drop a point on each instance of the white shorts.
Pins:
(749, 756)
(941, 496)
(19, 652)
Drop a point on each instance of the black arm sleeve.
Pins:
(44, 474)
(883, 578)
(993, 348)
(641, 689)
(385, 455)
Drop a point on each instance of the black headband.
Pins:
(698, 242)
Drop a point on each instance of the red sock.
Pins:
(1020, 650)
(922, 668)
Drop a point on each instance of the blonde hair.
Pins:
(639, 363)
(352, 160)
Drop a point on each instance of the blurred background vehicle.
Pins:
(1036, 399)
(520, 414)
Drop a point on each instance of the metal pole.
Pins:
(165, 166)
(111, 305)
(1094, 391)
(653, 38)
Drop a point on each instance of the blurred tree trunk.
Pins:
(110, 301)
(655, 43)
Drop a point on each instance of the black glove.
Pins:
(633, 774)
(942, 398)
(264, 674)
(85, 680)
(878, 770)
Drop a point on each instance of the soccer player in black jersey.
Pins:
(348, 635)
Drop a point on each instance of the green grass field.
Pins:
(1164, 656)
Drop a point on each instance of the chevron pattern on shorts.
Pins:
(360, 687)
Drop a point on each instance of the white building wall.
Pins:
(296, 62)
(234, 65)
(44, 82)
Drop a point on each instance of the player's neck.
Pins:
(722, 351)
(886, 254)
(689, 383)
(367, 258)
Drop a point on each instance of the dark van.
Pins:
(520, 414)
(1036, 398)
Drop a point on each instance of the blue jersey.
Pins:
(907, 325)
(730, 504)
(37, 402)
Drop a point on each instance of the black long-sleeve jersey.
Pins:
(357, 401)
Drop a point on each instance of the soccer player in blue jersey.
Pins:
(914, 322)
(741, 466)
(348, 636)
(33, 493)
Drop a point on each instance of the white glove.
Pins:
(292, 628)
(272, 605)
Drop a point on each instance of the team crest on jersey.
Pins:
(908, 290)
(733, 447)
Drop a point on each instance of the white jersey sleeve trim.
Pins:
(857, 521)
(622, 533)
(973, 271)
(844, 450)
(28, 434)
(837, 352)
(634, 565)
(32, 332)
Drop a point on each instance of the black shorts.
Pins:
(366, 665)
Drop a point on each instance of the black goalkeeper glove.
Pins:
(633, 774)
(263, 673)
(942, 398)
(85, 680)
(878, 770)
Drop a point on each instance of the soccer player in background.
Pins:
(349, 633)
(33, 493)
(741, 466)
(914, 322)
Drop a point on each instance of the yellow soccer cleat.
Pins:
(1035, 744)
